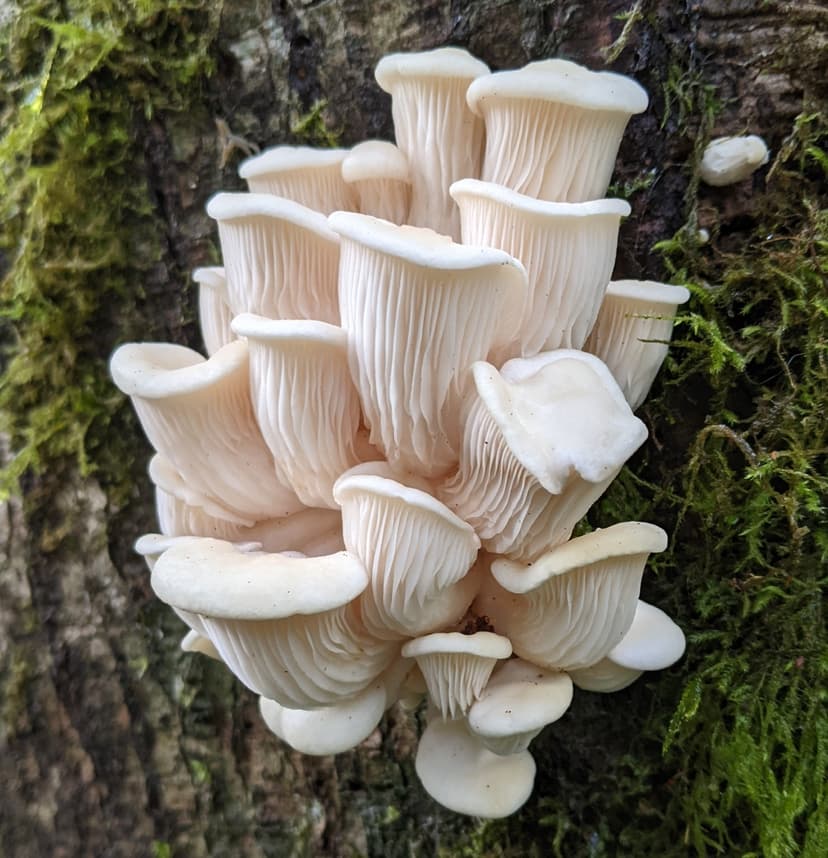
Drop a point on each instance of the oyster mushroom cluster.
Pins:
(419, 379)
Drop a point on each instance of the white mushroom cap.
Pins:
(519, 700)
(214, 578)
(632, 332)
(456, 667)
(728, 160)
(563, 82)
(379, 175)
(312, 177)
(438, 134)
(214, 313)
(553, 128)
(543, 439)
(282, 624)
(572, 605)
(305, 402)
(459, 772)
(568, 250)
(416, 550)
(194, 642)
(197, 413)
(330, 729)
(396, 284)
(652, 642)
(280, 257)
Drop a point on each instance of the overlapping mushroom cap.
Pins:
(366, 492)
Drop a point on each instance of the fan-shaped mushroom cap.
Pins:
(418, 310)
(312, 177)
(652, 642)
(280, 258)
(379, 175)
(728, 160)
(459, 772)
(632, 332)
(438, 134)
(519, 700)
(305, 403)
(197, 413)
(553, 128)
(214, 313)
(456, 667)
(416, 550)
(570, 607)
(568, 250)
(281, 624)
(543, 439)
(331, 729)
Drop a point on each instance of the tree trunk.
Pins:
(112, 741)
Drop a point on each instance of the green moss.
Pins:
(79, 80)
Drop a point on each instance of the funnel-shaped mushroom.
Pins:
(197, 413)
(553, 128)
(282, 624)
(456, 667)
(330, 729)
(312, 177)
(459, 772)
(280, 258)
(544, 437)
(438, 134)
(416, 550)
(652, 642)
(632, 332)
(305, 402)
(519, 700)
(379, 175)
(214, 313)
(570, 607)
(419, 310)
(568, 250)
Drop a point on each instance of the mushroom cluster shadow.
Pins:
(419, 378)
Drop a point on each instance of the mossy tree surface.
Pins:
(111, 741)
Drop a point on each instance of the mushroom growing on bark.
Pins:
(367, 492)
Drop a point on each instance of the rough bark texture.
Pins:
(114, 743)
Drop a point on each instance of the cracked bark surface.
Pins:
(112, 742)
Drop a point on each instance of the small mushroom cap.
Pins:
(212, 277)
(308, 331)
(618, 540)
(563, 82)
(652, 642)
(605, 677)
(331, 729)
(214, 578)
(464, 776)
(531, 205)
(226, 206)
(728, 160)
(161, 370)
(375, 159)
(286, 158)
(419, 246)
(440, 63)
(649, 291)
(482, 644)
(520, 698)
(570, 395)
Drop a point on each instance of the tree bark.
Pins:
(113, 742)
